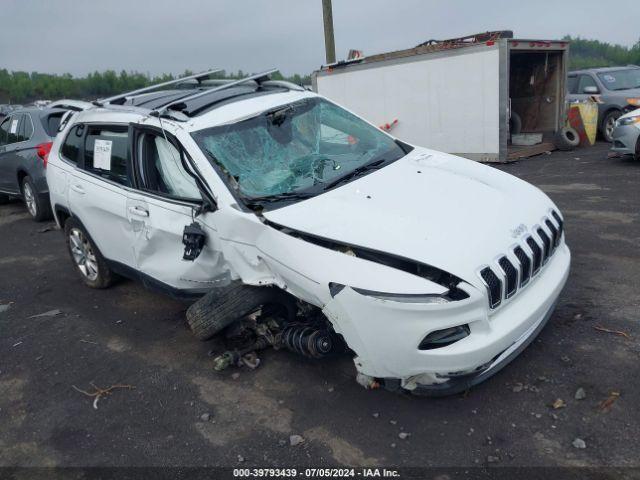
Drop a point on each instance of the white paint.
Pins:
(448, 103)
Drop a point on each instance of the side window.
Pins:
(572, 84)
(25, 128)
(13, 122)
(586, 81)
(106, 153)
(72, 145)
(4, 131)
(159, 164)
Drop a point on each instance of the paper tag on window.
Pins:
(102, 154)
(14, 126)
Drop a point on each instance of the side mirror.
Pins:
(590, 90)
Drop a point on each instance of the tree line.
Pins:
(22, 87)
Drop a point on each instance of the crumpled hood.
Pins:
(439, 209)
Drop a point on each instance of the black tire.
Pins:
(567, 139)
(608, 124)
(37, 205)
(637, 155)
(222, 306)
(515, 124)
(74, 232)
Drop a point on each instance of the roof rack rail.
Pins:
(258, 77)
(100, 102)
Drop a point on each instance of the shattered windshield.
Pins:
(621, 79)
(300, 149)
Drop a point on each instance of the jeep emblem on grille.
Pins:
(519, 230)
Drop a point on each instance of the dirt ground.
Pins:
(129, 335)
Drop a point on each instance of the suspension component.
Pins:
(308, 341)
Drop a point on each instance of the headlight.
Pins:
(404, 297)
(634, 101)
(629, 120)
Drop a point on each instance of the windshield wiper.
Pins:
(259, 201)
(355, 173)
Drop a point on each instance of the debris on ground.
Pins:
(295, 440)
(235, 375)
(50, 313)
(581, 394)
(606, 404)
(250, 360)
(518, 387)
(101, 392)
(48, 228)
(5, 306)
(205, 417)
(559, 403)
(579, 443)
(492, 459)
(565, 359)
(375, 415)
(620, 333)
(16, 344)
(403, 435)
(240, 458)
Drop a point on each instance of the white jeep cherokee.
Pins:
(311, 228)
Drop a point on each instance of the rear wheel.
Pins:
(89, 262)
(37, 205)
(609, 124)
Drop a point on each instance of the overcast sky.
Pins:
(155, 36)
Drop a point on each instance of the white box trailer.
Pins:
(463, 96)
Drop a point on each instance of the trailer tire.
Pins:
(224, 305)
(567, 139)
(515, 124)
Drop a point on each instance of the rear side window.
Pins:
(4, 131)
(11, 129)
(106, 153)
(51, 123)
(72, 145)
(25, 130)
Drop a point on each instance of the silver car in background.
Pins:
(617, 89)
(626, 134)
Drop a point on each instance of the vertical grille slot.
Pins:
(525, 265)
(560, 224)
(511, 276)
(554, 234)
(494, 286)
(537, 255)
(546, 241)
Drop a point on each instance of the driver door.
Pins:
(162, 204)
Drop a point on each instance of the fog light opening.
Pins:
(442, 338)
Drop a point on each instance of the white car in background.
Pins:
(308, 228)
(626, 134)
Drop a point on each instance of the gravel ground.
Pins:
(182, 413)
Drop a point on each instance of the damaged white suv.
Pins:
(309, 228)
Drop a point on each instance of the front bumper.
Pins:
(625, 139)
(385, 334)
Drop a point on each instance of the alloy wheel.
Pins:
(30, 199)
(83, 254)
(609, 127)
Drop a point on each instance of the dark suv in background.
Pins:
(26, 137)
(618, 88)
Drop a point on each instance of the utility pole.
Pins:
(329, 43)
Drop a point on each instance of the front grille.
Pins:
(511, 275)
(537, 255)
(560, 224)
(506, 277)
(494, 286)
(525, 265)
(554, 233)
(546, 241)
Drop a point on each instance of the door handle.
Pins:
(77, 189)
(139, 211)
